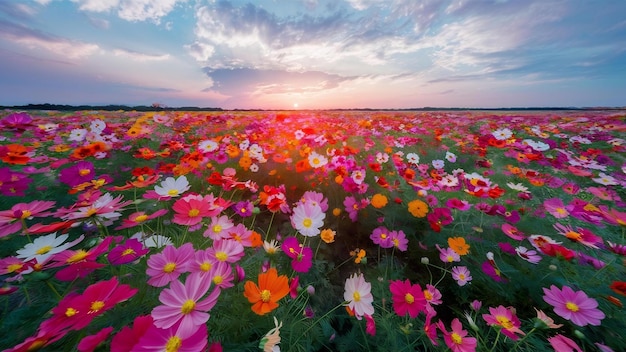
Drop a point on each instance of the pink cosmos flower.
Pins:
(105, 209)
(490, 268)
(399, 240)
(243, 208)
(172, 339)
(556, 207)
(79, 263)
(190, 210)
(12, 220)
(505, 319)
(357, 292)
(432, 295)
(227, 251)
(221, 275)
(407, 298)
(448, 255)
(528, 255)
(302, 257)
(572, 305)
(562, 343)
(127, 337)
(461, 274)
(218, 228)
(512, 232)
(380, 236)
(457, 339)
(315, 198)
(203, 262)
(169, 265)
(138, 218)
(90, 343)
(184, 304)
(241, 234)
(308, 218)
(128, 252)
(582, 235)
(370, 326)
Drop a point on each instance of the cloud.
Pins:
(17, 10)
(35, 39)
(252, 82)
(131, 10)
(142, 57)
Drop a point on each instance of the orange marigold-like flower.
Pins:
(270, 290)
(418, 208)
(378, 201)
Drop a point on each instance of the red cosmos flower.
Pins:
(15, 154)
(138, 218)
(619, 287)
(407, 298)
(439, 217)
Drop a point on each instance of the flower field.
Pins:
(313, 231)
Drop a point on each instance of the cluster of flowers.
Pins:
(486, 200)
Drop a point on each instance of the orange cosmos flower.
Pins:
(378, 201)
(458, 245)
(270, 290)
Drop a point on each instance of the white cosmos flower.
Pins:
(605, 179)
(502, 134)
(172, 187)
(517, 187)
(43, 247)
(412, 158)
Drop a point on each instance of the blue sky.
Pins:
(315, 54)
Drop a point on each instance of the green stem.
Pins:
(269, 227)
(495, 342)
(318, 320)
(54, 289)
(523, 338)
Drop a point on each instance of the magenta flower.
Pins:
(138, 218)
(243, 208)
(505, 319)
(222, 275)
(302, 257)
(399, 240)
(381, 237)
(172, 339)
(407, 298)
(190, 210)
(185, 304)
(79, 263)
(572, 305)
(432, 295)
(352, 207)
(79, 173)
(90, 343)
(448, 255)
(128, 252)
(12, 220)
(170, 264)
(512, 232)
(457, 339)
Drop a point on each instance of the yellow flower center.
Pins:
(383, 236)
(217, 279)
(14, 267)
(25, 214)
(193, 213)
(141, 218)
(265, 296)
(84, 172)
(221, 256)
(172, 192)
(70, 312)
(36, 345)
(408, 298)
(96, 306)
(307, 222)
(44, 250)
(169, 267)
(188, 306)
(456, 338)
(561, 211)
(572, 306)
(128, 251)
(357, 296)
(428, 295)
(217, 228)
(504, 322)
(206, 266)
(173, 344)
(76, 257)
(91, 212)
(573, 235)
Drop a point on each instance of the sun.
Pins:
(295, 105)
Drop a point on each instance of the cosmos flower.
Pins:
(461, 274)
(169, 264)
(172, 187)
(44, 247)
(574, 306)
(407, 298)
(265, 296)
(11, 220)
(357, 294)
(308, 218)
(506, 319)
(302, 257)
(457, 338)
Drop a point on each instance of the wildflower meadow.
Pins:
(313, 230)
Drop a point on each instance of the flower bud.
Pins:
(310, 290)
(425, 260)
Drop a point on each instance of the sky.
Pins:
(314, 54)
